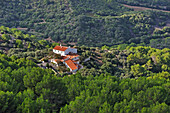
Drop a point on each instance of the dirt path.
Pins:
(22, 29)
(139, 8)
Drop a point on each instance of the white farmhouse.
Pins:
(63, 51)
(69, 57)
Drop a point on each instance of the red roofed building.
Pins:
(69, 57)
(73, 67)
(63, 51)
(60, 48)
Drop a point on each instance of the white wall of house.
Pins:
(62, 53)
(55, 51)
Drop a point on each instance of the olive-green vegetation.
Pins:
(120, 78)
(158, 4)
(86, 22)
(130, 62)
(23, 45)
(27, 88)
(107, 94)
(127, 75)
(157, 41)
(98, 7)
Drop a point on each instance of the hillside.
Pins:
(108, 87)
(156, 4)
(131, 62)
(118, 60)
(14, 42)
(116, 79)
(87, 22)
(128, 78)
(124, 56)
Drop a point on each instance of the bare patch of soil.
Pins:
(138, 8)
(22, 29)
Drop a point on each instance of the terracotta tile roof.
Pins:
(60, 48)
(72, 56)
(58, 60)
(71, 64)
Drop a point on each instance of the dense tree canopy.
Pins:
(127, 61)
(128, 72)
(158, 4)
(85, 22)
(24, 87)
(27, 88)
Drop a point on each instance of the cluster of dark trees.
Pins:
(107, 94)
(99, 7)
(27, 88)
(86, 22)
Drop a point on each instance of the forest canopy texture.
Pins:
(129, 52)
(129, 79)
(87, 22)
(27, 88)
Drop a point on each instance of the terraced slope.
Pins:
(157, 4)
(84, 22)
